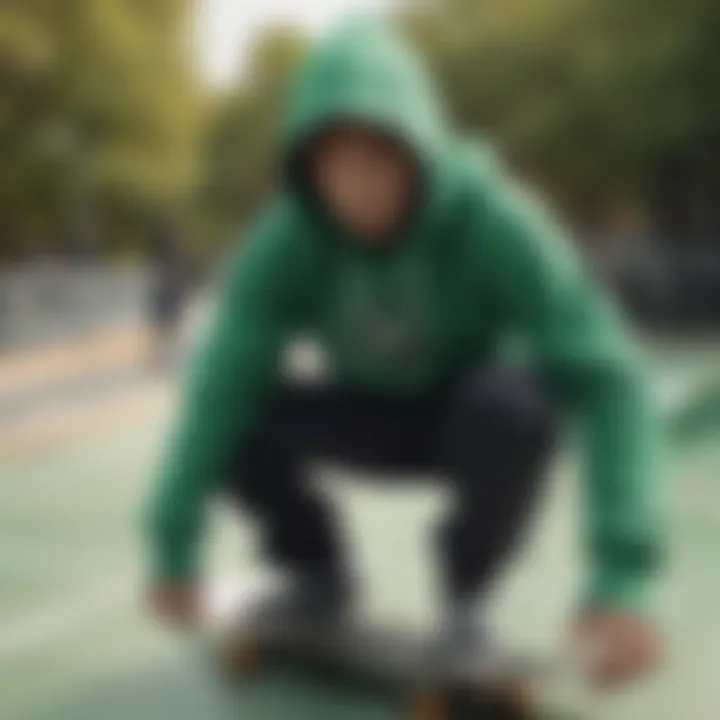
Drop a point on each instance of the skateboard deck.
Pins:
(384, 656)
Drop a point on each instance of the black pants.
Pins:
(490, 434)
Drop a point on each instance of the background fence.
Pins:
(42, 303)
(666, 289)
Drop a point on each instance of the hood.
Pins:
(362, 72)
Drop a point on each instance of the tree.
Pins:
(238, 170)
(600, 99)
(101, 113)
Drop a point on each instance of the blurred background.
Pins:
(136, 143)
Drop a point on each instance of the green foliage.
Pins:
(99, 114)
(597, 97)
(238, 171)
(103, 122)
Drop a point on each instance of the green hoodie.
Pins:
(479, 265)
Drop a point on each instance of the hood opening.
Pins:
(298, 176)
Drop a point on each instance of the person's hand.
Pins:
(176, 603)
(618, 647)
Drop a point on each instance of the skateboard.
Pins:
(386, 657)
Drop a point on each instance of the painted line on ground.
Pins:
(54, 429)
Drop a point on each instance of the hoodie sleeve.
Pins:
(229, 384)
(577, 338)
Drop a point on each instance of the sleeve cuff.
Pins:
(613, 590)
(174, 562)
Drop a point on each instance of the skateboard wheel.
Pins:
(428, 706)
(511, 703)
(241, 658)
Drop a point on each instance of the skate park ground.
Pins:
(75, 645)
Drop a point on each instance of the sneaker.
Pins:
(463, 642)
(313, 602)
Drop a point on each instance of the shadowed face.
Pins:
(365, 180)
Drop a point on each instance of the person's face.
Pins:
(364, 180)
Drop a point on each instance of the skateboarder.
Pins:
(458, 327)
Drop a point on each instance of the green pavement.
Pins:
(74, 644)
